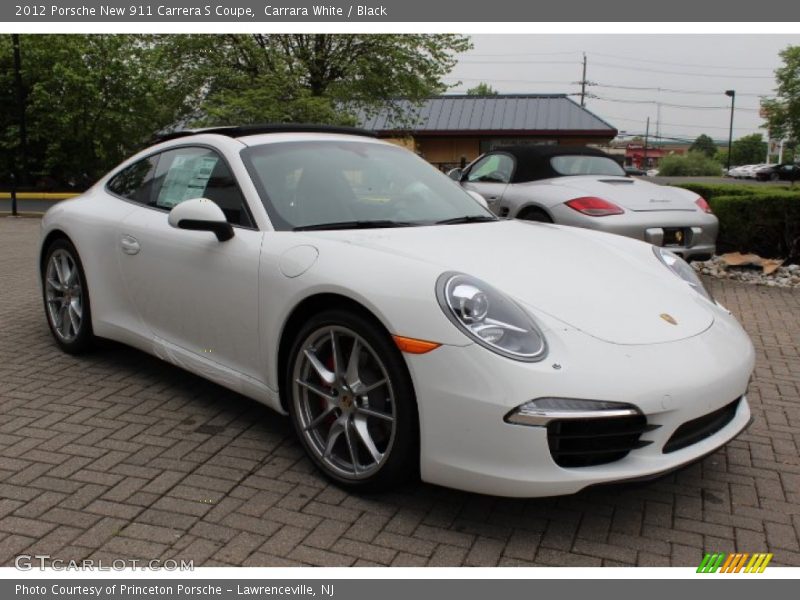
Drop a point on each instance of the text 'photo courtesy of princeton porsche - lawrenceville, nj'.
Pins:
(331, 301)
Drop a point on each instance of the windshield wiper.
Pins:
(367, 224)
(467, 219)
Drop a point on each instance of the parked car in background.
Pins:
(782, 172)
(746, 171)
(635, 171)
(584, 187)
(403, 328)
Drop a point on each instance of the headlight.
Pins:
(489, 317)
(683, 270)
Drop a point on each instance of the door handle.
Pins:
(129, 244)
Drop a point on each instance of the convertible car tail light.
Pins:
(703, 205)
(594, 207)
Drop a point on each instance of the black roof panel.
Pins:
(236, 131)
(533, 162)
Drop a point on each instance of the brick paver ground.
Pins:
(117, 455)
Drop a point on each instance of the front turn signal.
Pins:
(414, 346)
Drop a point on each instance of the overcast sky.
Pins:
(691, 71)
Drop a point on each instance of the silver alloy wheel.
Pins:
(345, 408)
(64, 295)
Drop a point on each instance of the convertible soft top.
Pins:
(533, 162)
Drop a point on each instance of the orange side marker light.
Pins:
(414, 346)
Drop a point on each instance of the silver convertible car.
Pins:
(584, 187)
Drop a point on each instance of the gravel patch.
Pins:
(784, 277)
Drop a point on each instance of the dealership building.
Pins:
(448, 129)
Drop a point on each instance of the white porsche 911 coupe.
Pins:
(404, 328)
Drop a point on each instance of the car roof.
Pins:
(237, 131)
(533, 162)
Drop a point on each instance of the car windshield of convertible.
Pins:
(355, 185)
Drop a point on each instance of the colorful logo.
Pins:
(734, 563)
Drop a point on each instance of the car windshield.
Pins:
(353, 184)
(576, 164)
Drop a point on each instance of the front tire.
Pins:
(534, 214)
(66, 298)
(352, 402)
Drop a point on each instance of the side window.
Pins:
(187, 173)
(495, 168)
(136, 181)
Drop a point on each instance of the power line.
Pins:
(684, 73)
(629, 120)
(672, 90)
(615, 66)
(676, 64)
(567, 52)
(527, 62)
(686, 106)
(606, 85)
(525, 81)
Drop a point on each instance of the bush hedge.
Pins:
(760, 219)
(767, 224)
(689, 165)
(710, 190)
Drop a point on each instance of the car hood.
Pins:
(627, 192)
(606, 286)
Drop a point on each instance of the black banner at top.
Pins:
(265, 11)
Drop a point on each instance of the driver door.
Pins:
(489, 176)
(192, 291)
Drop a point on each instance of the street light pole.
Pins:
(732, 95)
(19, 174)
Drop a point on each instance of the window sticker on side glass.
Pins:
(186, 179)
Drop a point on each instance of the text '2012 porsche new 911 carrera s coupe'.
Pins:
(405, 329)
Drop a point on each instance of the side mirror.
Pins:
(201, 214)
(455, 174)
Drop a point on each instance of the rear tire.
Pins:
(352, 402)
(66, 298)
(534, 214)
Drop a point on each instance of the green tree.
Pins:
(747, 150)
(704, 144)
(90, 101)
(328, 77)
(692, 164)
(783, 112)
(482, 89)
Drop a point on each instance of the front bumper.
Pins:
(464, 393)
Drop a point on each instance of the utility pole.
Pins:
(658, 121)
(646, 135)
(732, 95)
(22, 166)
(583, 82)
